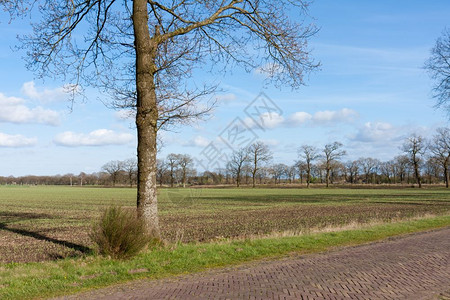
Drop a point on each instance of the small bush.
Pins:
(120, 234)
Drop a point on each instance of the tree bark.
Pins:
(308, 173)
(255, 167)
(238, 178)
(146, 118)
(416, 171)
(327, 179)
(308, 176)
(446, 174)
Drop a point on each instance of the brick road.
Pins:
(412, 267)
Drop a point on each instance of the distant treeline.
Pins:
(421, 161)
(99, 178)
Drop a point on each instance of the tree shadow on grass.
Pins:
(9, 216)
(41, 237)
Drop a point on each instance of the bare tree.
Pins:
(300, 167)
(236, 164)
(332, 152)
(184, 162)
(368, 166)
(402, 164)
(161, 169)
(259, 153)
(221, 175)
(432, 169)
(386, 169)
(337, 171)
(352, 169)
(113, 168)
(130, 167)
(172, 165)
(82, 175)
(440, 147)
(309, 154)
(263, 174)
(247, 172)
(414, 147)
(278, 171)
(393, 166)
(438, 66)
(143, 53)
(290, 173)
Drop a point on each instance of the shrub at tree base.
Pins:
(120, 234)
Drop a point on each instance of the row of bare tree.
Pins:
(175, 168)
(422, 161)
(120, 170)
(112, 173)
(98, 178)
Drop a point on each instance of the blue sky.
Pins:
(370, 93)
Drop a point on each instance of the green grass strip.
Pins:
(32, 280)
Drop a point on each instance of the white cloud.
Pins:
(334, 116)
(13, 110)
(375, 132)
(46, 95)
(271, 120)
(250, 123)
(266, 120)
(299, 118)
(10, 101)
(198, 141)
(328, 117)
(381, 140)
(7, 140)
(100, 137)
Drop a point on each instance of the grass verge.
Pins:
(32, 280)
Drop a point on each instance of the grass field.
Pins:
(71, 275)
(48, 223)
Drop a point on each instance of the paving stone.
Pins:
(412, 267)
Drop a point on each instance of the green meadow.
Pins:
(45, 248)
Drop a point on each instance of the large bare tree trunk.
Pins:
(308, 175)
(416, 172)
(255, 168)
(146, 117)
(446, 175)
(327, 179)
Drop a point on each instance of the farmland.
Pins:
(47, 223)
